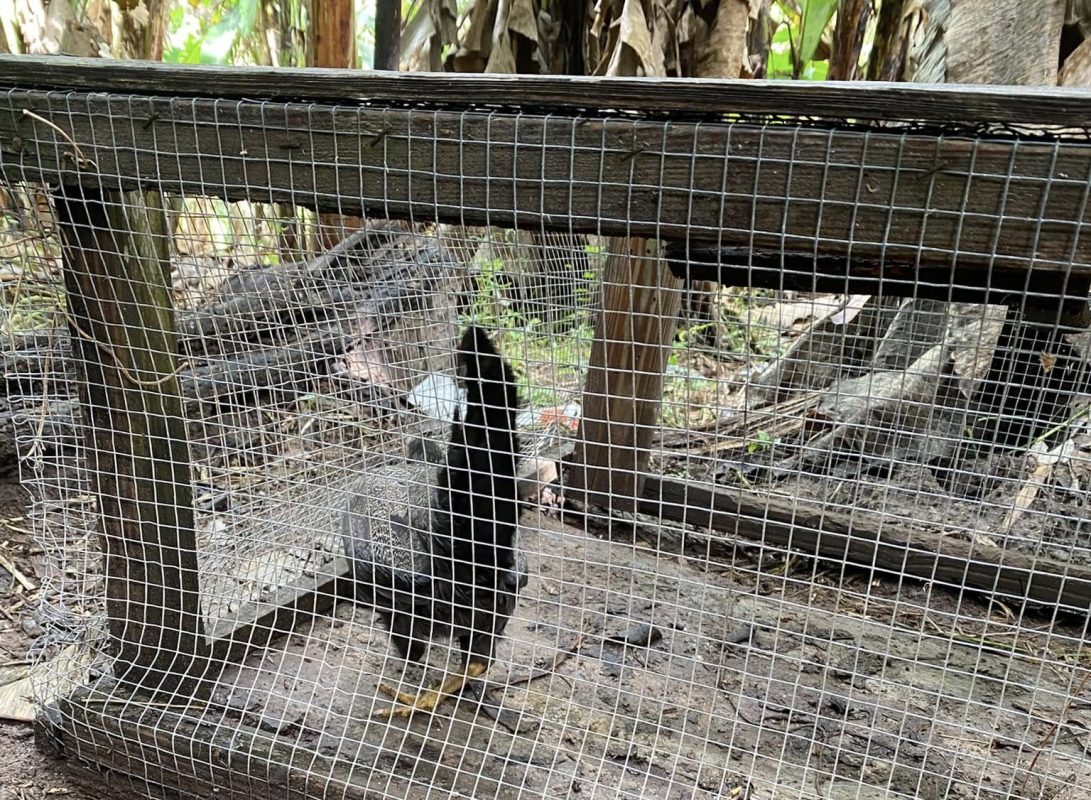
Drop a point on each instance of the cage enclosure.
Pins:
(803, 430)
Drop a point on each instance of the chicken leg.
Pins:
(429, 699)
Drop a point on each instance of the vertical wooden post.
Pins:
(624, 384)
(122, 322)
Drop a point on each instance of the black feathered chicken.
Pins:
(447, 562)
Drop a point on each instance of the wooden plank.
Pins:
(1022, 46)
(122, 323)
(696, 98)
(192, 748)
(1053, 298)
(624, 385)
(258, 623)
(912, 198)
(332, 43)
(862, 540)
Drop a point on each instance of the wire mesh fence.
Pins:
(800, 448)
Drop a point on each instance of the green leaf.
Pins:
(217, 43)
(779, 59)
(816, 16)
(246, 15)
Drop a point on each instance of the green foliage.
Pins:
(762, 441)
(227, 32)
(207, 33)
(37, 308)
(800, 25)
(816, 16)
(545, 360)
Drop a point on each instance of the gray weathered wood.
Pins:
(1021, 46)
(199, 751)
(906, 197)
(257, 623)
(705, 98)
(811, 530)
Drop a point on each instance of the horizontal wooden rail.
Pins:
(1055, 297)
(914, 198)
(927, 103)
(862, 539)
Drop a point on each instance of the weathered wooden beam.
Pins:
(199, 750)
(697, 98)
(257, 623)
(1053, 297)
(887, 196)
(624, 385)
(861, 539)
(121, 320)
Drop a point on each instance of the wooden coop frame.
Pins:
(505, 156)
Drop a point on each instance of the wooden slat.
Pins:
(257, 623)
(193, 749)
(706, 98)
(861, 539)
(846, 194)
(1052, 297)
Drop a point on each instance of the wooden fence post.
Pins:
(624, 384)
(118, 291)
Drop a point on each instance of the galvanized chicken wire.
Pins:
(857, 567)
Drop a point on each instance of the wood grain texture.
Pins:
(1077, 67)
(333, 39)
(122, 322)
(259, 622)
(865, 540)
(332, 43)
(1009, 42)
(198, 751)
(703, 98)
(902, 196)
(624, 385)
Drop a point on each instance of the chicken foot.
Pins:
(428, 700)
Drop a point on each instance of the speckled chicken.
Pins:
(447, 560)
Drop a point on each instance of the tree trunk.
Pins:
(848, 39)
(139, 26)
(388, 34)
(887, 50)
(333, 44)
(721, 52)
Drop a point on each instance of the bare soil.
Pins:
(26, 773)
(633, 672)
(737, 681)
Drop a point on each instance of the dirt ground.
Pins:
(804, 685)
(629, 672)
(25, 772)
(633, 673)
